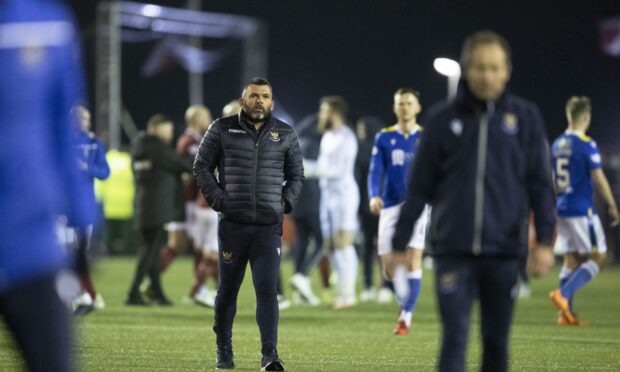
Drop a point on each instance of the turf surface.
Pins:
(180, 338)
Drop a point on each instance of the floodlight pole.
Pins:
(108, 78)
(196, 92)
(255, 53)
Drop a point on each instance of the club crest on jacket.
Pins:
(510, 124)
(274, 136)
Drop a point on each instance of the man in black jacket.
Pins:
(260, 177)
(482, 164)
(157, 169)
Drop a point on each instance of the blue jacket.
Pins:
(482, 167)
(40, 80)
(91, 153)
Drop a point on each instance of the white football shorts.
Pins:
(388, 217)
(582, 235)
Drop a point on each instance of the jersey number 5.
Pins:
(562, 175)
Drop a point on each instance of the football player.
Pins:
(577, 165)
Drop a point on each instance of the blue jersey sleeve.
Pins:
(594, 157)
(99, 168)
(376, 169)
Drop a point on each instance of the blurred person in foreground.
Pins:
(93, 165)
(260, 174)
(157, 169)
(581, 239)
(393, 152)
(40, 80)
(482, 164)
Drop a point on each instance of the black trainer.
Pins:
(271, 362)
(224, 358)
(135, 300)
(161, 301)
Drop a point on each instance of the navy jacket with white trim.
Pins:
(515, 178)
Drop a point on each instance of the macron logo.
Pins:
(239, 131)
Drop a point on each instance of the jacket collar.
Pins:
(466, 101)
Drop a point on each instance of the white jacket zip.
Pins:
(483, 139)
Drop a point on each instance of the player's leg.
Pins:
(413, 285)
(345, 226)
(302, 240)
(455, 282)
(315, 253)
(145, 237)
(497, 282)
(387, 224)
(369, 230)
(176, 244)
(208, 267)
(40, 323)
(200, 269)
(328, 218)
(565, 244)
(589, 241)
(525, 290)
(593, 248)
(264, 256)
(84, 241)
(347, 261)
(414, 269)
(300, 280)
(205, 241)
(84, 303)
(210, 252)
(154, 268)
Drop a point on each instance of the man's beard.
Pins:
(256, 116)
(326, 124)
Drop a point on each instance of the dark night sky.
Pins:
(364, 50)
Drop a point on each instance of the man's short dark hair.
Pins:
(577, 106)
(258, 81)
(157, 120)
(337, 103)
(483, 37)
(401, 91)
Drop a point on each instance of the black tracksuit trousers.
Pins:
(260, 245)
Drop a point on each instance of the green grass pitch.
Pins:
(180, 338)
